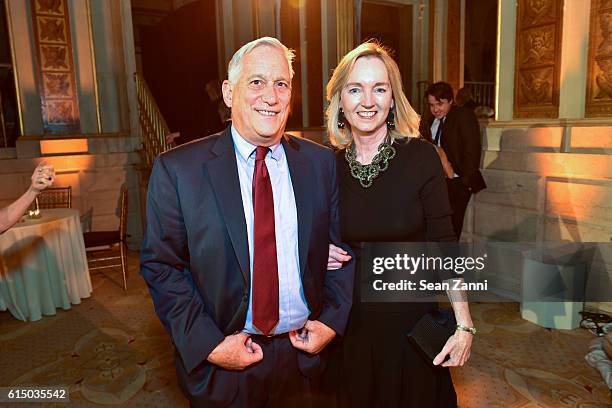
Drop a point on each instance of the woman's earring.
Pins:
(341, 119)
(391, 120)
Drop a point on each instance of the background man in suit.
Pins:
(235, 252)
(456, 133)
(213, 121)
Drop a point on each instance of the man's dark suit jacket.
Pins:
(195, 255)
(461, 143)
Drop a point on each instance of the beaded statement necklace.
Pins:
(366, 173)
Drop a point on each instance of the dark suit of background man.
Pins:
(456, 131)
(235, 252)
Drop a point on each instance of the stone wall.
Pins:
(547, 181)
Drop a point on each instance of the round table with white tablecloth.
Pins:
(43, 265)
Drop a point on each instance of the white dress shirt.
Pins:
(293, 310)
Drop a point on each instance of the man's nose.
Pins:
(269, 95)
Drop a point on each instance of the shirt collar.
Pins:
(246, 149)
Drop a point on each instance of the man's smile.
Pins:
(266, 112)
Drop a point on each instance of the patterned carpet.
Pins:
(112, 350)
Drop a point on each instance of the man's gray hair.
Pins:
(235, 65)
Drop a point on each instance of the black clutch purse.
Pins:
(430, 333)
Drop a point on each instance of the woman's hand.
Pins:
(336, 257)
(458, 346)
(43, 177)
(446, 165)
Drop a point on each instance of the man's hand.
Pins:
(313, 338)
(43, 177)
(171, 136)
(336, 257)
(446, 165)
(458, 346)
(236, 352)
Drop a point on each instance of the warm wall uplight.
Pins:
(594, 137)
(63, 146)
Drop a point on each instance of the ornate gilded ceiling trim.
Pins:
(57, 79)
(599, 77)
(538, 58)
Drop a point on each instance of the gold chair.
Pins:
(55, 197)
(111, 243)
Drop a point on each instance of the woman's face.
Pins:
(366, 97)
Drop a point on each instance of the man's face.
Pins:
(261, 96)
(438, 107)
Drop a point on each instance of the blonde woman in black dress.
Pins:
(392, 189)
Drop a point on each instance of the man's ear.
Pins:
(226, 89)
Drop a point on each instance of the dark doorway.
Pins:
(9, 111)
(391, 25)
(179, 57)
(480, 50)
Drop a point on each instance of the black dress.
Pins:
(374, 365)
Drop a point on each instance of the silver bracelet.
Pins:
(471, 330)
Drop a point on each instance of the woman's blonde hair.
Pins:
(406, 119)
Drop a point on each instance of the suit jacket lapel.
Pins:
(449, 130)
(303, 188)
(223, 173)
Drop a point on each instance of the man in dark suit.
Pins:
(235, 252)
(456, 133)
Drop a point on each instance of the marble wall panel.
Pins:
(598, 137)
(579, 200)
(551, 164)
(517, 189)
(505, 223)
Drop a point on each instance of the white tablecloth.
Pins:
(43, 265)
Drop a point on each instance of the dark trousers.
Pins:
(282, 379)
(459, 196)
